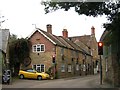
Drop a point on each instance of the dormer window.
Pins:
(38, 48)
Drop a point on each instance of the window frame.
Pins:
(34, 48)
(38, 46)
(62, 67)
(69, 68)
(43, 48)
(35, 66)
(77, 67)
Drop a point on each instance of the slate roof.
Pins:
(87, 42)
(84, 39)
(4, 36)
(61, 41)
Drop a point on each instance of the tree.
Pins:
(18, 52)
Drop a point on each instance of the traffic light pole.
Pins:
(100, 70)
(100, 52)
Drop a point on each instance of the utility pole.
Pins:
(100, 70)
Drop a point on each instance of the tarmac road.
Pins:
(90, 81)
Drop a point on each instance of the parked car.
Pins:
(33, 74)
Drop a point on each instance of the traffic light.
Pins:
(100, 48)
(53, 59)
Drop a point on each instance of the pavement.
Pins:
(96, 83)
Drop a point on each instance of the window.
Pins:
(77, 67)
(39, 48)
(62, 68)
(69, 68)
(34, 48)
(39, 68)
(62, 51)
(106, 63)
(84, 67)
(30, 70)
(42, 48)
(42, 68)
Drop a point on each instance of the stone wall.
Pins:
(74, 60)
(111, 70)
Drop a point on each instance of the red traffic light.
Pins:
(100, 48)
(53, 58)
(100, 44)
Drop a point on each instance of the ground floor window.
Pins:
(63, 68)
(77, 67)
(69, 68)
(39, 67)
(84, 67)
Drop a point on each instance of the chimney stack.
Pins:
(49, 28)
(92, 30)
(65, 33)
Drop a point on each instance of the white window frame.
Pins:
(38, 66)
(43, 46)
(63, 68)
(70, 68)
(34, 48)
(77, 67)
(84, 67)
(38, 46)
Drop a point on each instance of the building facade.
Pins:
(4, 48)
(89, 44)
(110, 59)
(59, 55)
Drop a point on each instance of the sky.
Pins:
(21, 17)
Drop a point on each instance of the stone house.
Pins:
(89, 43)
(110, 59)
(59, 54)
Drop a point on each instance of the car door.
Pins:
(31, 74)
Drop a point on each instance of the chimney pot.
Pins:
(49, 28)
(65, 33)
(92, 30)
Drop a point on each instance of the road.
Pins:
(91, 81)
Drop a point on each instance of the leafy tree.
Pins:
(18, 51)
(13, 37)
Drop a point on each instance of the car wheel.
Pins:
(39, 77)
(21, 76)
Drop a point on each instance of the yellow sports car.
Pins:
(31, 73)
